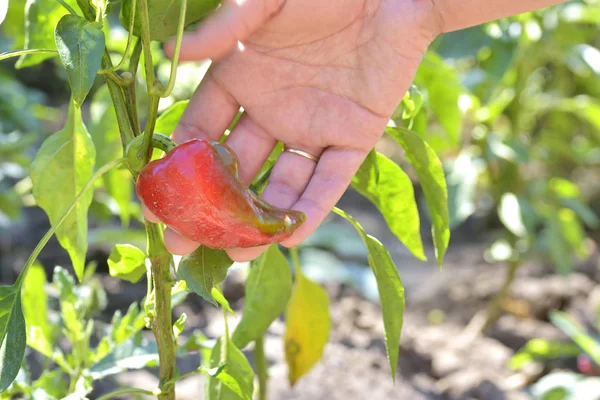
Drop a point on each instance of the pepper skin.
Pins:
(196, 190)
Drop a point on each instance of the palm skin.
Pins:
(322, 77)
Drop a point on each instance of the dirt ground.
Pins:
(436, 362)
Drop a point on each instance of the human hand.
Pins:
(321, 77)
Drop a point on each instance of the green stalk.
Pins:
(129, 37)
(484, 319)
(261, 368)
(175, 62)
(123, 120)
(134, 60)
(295, 259)
(162, 324)
(160, 258)
(67, 6)
(18, 53)
(130, 98)
(151, 83)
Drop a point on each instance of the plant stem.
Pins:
(162, 324)
(116, 93)
(67, 6)
(130, 97)
(151, 83)
(18, 53)
(134, 60)
(123, 120)
(295, 259)
(261, 367)
(129, 36)
(488, 317)
(175, 62)
(145, 37)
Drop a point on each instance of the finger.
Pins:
(252, 145)
(149, 215)
(177, 244)
(332, 177)
(287, 182)
(208, 114)
(234, 22)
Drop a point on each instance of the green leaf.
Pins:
(164, 15)
(573, 232)
(204, 269)
(168, 120)
(104, 130)
(179, 325)
(462, 177)
(134, 353)
(557, 247)
(122, 328)
(429, 169)
(35, 303)
(542, 349)
(41, 18)
(391, 291)
(80, 45)
(583, 211)
(307, 326)
(220, 298)
(383, 182)
(12, 27)
(443, 90)
(61, 168)
(52, 383)
(127, 262)
(577, 334)
(13, 337)
(236, 380)
(509, 212)
(268, 290)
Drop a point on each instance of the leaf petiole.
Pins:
(129, 38)
(169, 89)
(67, 6)
(17, 53)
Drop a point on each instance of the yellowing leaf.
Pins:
(35, 300)
(307, 326)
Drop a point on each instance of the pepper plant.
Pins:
(511, 108)
(110, 153)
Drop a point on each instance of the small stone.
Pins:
(445, 362)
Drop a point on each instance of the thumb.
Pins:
(233, 22)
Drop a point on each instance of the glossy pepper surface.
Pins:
(196, 190)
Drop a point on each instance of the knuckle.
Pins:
(272, 7)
